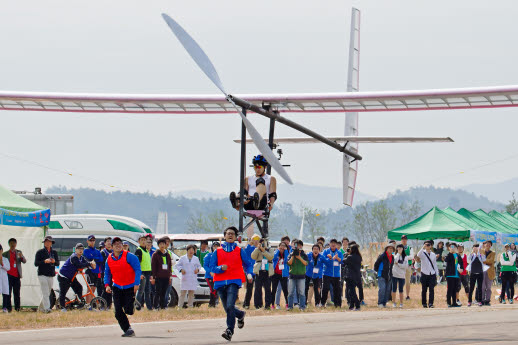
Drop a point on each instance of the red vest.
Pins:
(122, 272)
(234, 264)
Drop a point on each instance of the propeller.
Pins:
(203, 61)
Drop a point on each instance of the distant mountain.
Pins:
(501, 192)
(286, 217)
(318, 197)
(444, 197)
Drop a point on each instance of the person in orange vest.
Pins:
(231, 267)
(122, 268)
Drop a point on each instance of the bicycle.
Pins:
(97, 303)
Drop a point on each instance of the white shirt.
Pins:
(426, 267)
(252, 188)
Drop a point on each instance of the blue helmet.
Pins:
(259, 159)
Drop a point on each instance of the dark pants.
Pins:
(507, 282)
(477, 278)
(359, 285)
(228, 295)
(354, 302)
(464, 280)
(317, 283)
(160, 298)
(248, 294)
(428, 282)
(262, 280)
(14, 290)
(276, 278)
(64, 285)
(335, 282)
(144, 291)
(451, 290)
(123, 303)
(213, 293)
(6, 301)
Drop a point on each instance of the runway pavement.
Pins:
(464, 325)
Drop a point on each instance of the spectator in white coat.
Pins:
(4, 280)
(399, 274)
(189, 265)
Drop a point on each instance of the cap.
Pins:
(460, 245)
(125, 243)
(79, 245)
(116, 239)
(48, 238)
(507, 245)
(215, 243)
(256, 237)
(91, 237)
(101, 244)
(403, 237)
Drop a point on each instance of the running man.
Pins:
(122, 269)
(259, 188)
(230, 264)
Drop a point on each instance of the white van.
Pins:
(69, 229)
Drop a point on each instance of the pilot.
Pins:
(260, 188)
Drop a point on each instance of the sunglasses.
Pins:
(258, 166)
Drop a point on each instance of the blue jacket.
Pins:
(134, 263)
(311, 265)
(72, 265)
(247, 265)
(248, 250)
(330, 269)
(286, 270)
(91, 253)
(206, 266)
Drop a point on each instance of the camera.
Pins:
(296, 252)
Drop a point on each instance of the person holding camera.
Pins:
(429, 272)
(263, 269)
(333, 258)
(297, 260)
(476, 270)
(454, 265)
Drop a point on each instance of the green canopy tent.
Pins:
(506, 218)
(506, 229)
(433, 224)
(509, 217)
(466, 221)
(28, 239)
(487, 223)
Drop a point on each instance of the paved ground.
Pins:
(464, 325)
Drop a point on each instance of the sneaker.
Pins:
(227, 334)
(128, 333)
(450, 306)
(256, 201)
(407, 298)
(278, 307)
(425, 306)
(241, 321)
(246, 307)
(356, 309)
(459, 303)
(380, 306)
(63, 310)
(394, 305)
(233, 199)
(469, 304)
(401, 305)
(431, 306)
(511, 301)
(363, 303)
(289, 309)
(5, 310)
(479, 304)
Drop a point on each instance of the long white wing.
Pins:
(366, 140)
(443, 99)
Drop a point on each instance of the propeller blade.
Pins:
(203, 61)
(195, 51)
(265, 150)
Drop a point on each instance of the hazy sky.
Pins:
(263, 46)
